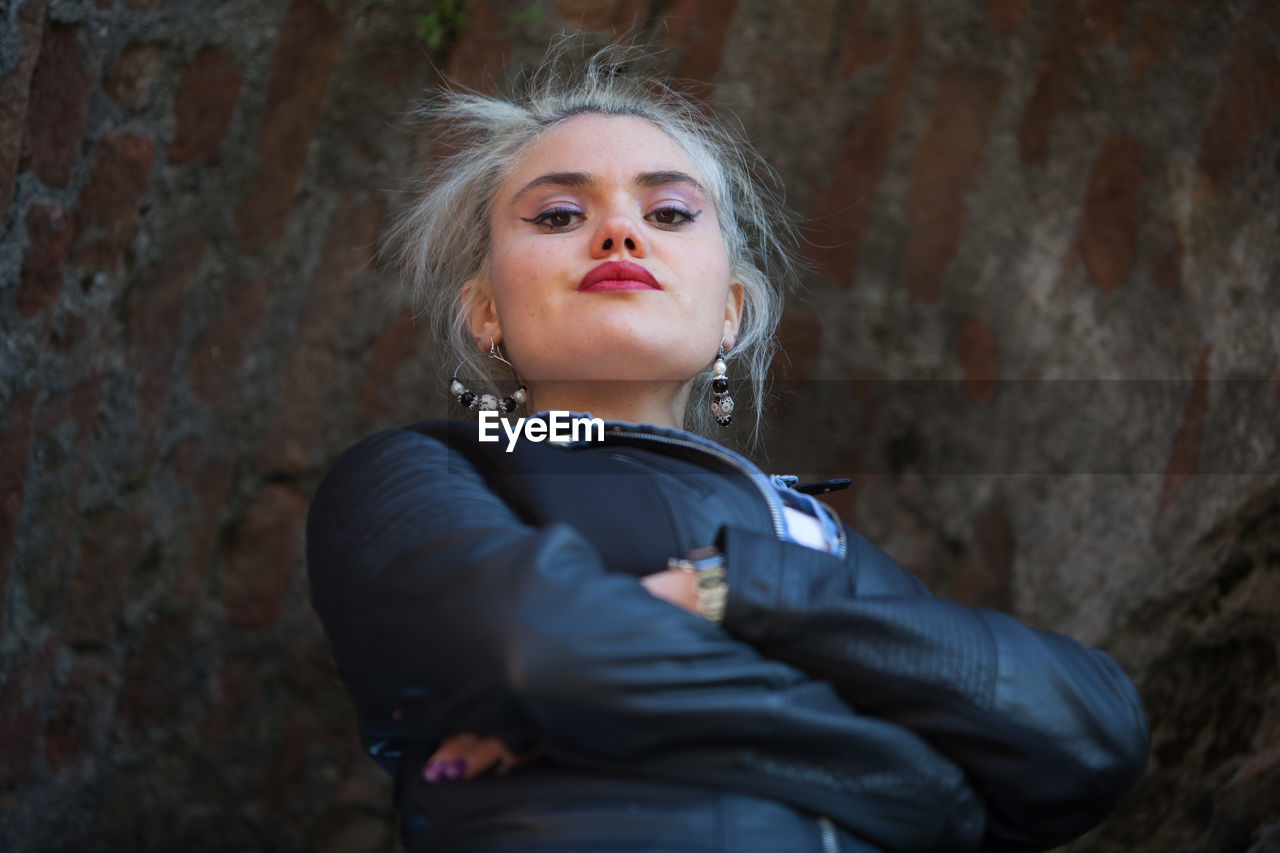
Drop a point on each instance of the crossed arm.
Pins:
(858, 708)
(1051, 733)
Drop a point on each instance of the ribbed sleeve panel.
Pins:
(1051, 732)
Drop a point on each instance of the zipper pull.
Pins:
(821, 487)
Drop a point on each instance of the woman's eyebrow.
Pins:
(647, 180)
(559, 179)
(659, 179)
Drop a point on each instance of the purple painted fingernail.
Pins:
(434, 771)
(455, 769)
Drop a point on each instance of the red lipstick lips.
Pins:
(618, 275)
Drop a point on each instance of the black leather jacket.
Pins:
(838, 707)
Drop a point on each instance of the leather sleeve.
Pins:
(446, 613)
(1052, 733)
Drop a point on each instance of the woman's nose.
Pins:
(618, 234)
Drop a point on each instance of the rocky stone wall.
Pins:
(1040, 329)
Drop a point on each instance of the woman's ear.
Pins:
(733, 313)
(481, 312)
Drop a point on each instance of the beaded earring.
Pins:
(721, 402)
(486, 402)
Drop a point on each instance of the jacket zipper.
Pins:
(762, 483)
(830, 844)
(827, 829)
(843, 547)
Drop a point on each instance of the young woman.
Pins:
(636, 640)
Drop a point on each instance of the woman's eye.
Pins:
(673, 216)
(555, 219)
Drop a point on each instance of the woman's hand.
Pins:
(466, 756)
(674, 586)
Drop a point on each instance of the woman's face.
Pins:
(607, 259)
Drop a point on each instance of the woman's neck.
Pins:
(658, 403)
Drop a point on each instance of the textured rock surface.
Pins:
(1040, 331)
